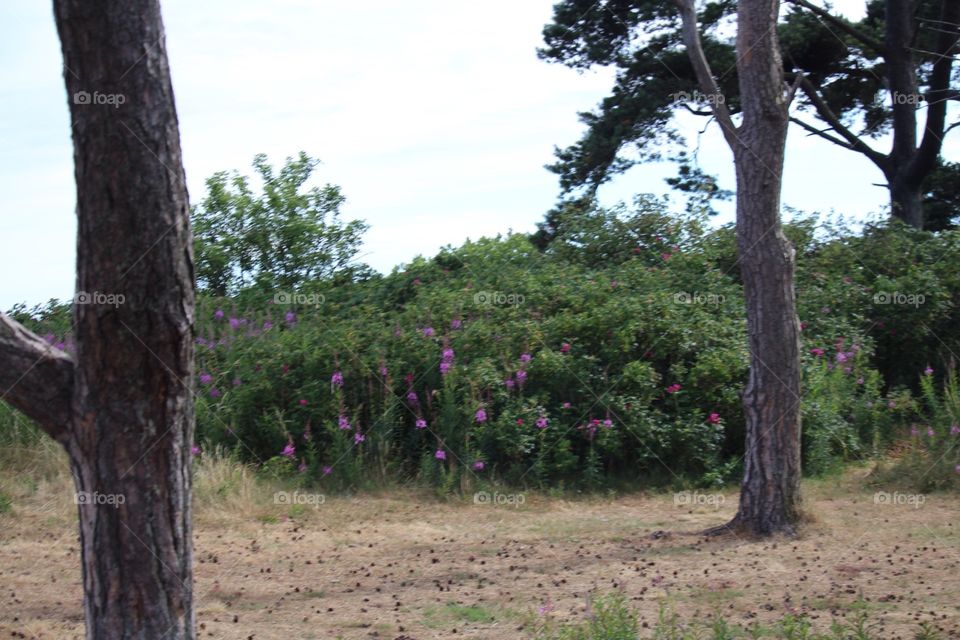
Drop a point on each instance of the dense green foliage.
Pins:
(613, 356)
(279, 238)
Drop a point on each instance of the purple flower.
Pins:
(448, 354)
(383, 371)
(289, 451)
(214, 392)
(440, 454)
(218, 314)
(421, 423)
(841, 357)
(481, 415)
(327, 471)
(195, 450)
(565, 347)
(510, 383)
(206, 378)
(521, 376)
(542, 422)
(290, 317)
(930, 431)
(267, 325)
(456, 323)
(954, 430)
(444, 368)
(608, 423)
(525, 357)
(928, 371)
(412, 397)
(303, 466)
(860, 380)
(478, 465)
(359, 437)
(336, 380)
(343, 423)
(891, 404)
(567, 405)
(427, 332)
(234, 323)
(817, 351)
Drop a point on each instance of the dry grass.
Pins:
(402, 565)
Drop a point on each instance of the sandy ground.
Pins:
(402, 567)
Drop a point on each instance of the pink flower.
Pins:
(303, 402)
(289, 451)
(195, 450)
(521, 376)
(214, 393)
(608, 423)
(930, 431)
(714, 418)
(817, 351)
(478, 465)
(543, 422)
(206, 378)
(520, 421)
(359, 437)
(565, 347)
(444, 368)
(336, 380)
(481, 415)
(327, 471)
(510, 384)
(421, 423)
(440, 454)
(525, 357)
(567, 405)
(412, 397)
(954, 430)
(673, 388)
(928, 371)
(344, 423)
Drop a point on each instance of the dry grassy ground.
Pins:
(404, 566)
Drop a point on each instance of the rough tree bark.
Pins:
(770, 491)
(122, 406)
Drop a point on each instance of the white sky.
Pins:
(435, 118)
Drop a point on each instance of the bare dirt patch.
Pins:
(401, 566)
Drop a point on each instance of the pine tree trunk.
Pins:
(770, 491)
(131, 412)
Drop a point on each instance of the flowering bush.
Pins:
(615, 355)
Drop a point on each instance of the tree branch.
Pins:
(939, 92)
(828, 116)
(705, 77)
(35, 378)
(823, 134)
(842, 24)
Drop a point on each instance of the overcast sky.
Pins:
(435, 118)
